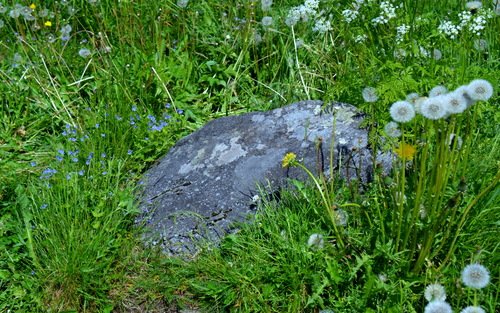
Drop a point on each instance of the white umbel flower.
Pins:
(402, 111)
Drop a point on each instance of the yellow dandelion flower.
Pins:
(32, 6)
(48, 23)
(405, 151)
(288, 159)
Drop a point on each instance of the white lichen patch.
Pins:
(229, 153)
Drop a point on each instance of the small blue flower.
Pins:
(97, 125)
(75, 159)
(103, 155)
(81, 172)
(33, 164)
(118, 117)
(60, 151)
(68, 176)
(134, 108)
(129, 152)
(103, 135)
(180, 111)
(44, 206)
(152, 118)
(167, 105)
(59, 158)
(48, 173)
(73, 139)
(104, 173)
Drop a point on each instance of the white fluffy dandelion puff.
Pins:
(455, 103)
(316, 241)
(433, 108)
(473, 309)
(402, 111)
(341, 217)
(437, 307)
(412, 97)
(437, 91)
(435, 292)
(369, 94)
(392, 130)
(480, 89)
(475, 276)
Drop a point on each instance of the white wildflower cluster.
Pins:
(360, 38)
(472, 20)
(477, 24)
(449, 29)
(350, 15)
(388, 12)
(401, 32)
(465, 17)
(322, 25)
(302, 12)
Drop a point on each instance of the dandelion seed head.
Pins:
(437, 307)
(454, 102)
(480, 44)
(437, 91)
(316, 241)
(437, 54)
(182, 3)
(412, 97)
(402, 111)
(480, 89)
(433, 108)
(475, 276)
(473, 5)
(341, 217)
(84, 53)
(435, 292)
(267, 21)
(266, 5)
(369, 94)
(473, 309)
(392, 130)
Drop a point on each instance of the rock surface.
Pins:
(207, 181)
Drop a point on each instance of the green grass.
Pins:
(76, 133)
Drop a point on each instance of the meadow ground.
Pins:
(95, 91)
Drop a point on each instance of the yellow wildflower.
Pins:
(48, 23)
(32, 6)
(405, 151)
(288, 159)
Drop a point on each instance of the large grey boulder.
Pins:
(207, 181)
